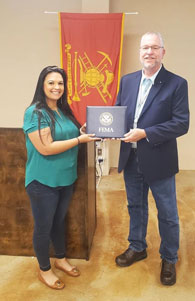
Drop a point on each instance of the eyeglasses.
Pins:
(155, 48)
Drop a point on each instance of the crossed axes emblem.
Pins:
(91, 76)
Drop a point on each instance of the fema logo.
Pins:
(106, 118)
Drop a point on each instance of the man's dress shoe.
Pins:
(168, 273)
(129, 257)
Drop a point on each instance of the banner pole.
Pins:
(55, 12)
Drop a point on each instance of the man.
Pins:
(157, 113)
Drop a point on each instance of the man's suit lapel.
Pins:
(158, 84)
(135, 92)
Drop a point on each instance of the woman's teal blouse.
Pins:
(51, 170)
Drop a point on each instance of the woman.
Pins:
(52, 138)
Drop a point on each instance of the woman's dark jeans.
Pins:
(49, 207)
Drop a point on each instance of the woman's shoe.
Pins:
(58, 285)
(74, 272)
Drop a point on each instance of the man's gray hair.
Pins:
(156, 34)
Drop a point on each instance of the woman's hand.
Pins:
(83, 129)
(84, 138)
(87, 138)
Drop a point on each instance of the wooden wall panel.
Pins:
(16, 224)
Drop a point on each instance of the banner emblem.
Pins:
(91, 76)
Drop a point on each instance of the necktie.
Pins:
(145, 86)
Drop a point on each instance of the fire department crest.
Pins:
(83, 75)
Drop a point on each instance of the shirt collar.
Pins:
(152, 77)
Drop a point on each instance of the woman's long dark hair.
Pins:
(39, 99)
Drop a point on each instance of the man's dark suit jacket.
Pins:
(165, 116)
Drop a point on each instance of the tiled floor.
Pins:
(101, 279)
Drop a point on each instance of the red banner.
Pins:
(91, 46)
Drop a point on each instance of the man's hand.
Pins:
(134, 135)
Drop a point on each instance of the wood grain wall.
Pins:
(16, 224)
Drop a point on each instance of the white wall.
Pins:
(29, 42)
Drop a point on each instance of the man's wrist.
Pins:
(144, 134)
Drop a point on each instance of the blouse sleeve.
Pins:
(31, 121)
